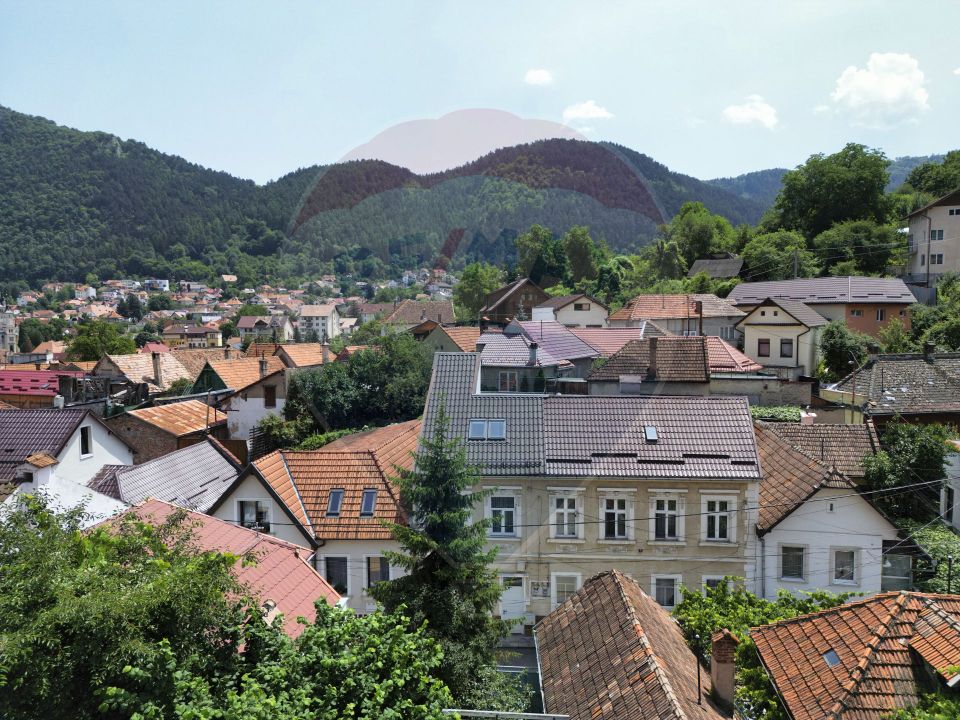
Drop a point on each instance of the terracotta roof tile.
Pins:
(242, 372)
(42, 460)
(607, 341)
(874, 640)
(843, 446)
(678, 359)
(181, 418)
(193, 359)
(138, 368)
(610, 651)
(670, 307)
(724, 358)
(298, 355)
(465, 338)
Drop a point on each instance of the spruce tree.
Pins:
(450, 584)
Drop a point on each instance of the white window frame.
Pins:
(323, 573)
(266, 502)
(704, 579)
(731, 500)
(856, 565)
(616, 494)
(881, 314)
(553, 585)
(566, 493)
(89, 431)
(512, 492)
(679, 496)
(805, 569)
(677, 580)
(508, 373)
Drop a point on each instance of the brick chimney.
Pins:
(263, 367)
(533, 353)
(228, 353)
(928, 349)
(325, 348)
(652, 365)
(157, 369)
(723, 667)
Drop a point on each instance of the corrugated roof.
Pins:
(881, 648)
(824, 290)
(281, 571)
(610, 651)
(672, 307)
(181, 418)
(33, 383)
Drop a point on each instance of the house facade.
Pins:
(515, 301)
(247, 407)
(162, 429)
(783, 336)
(192, 336)
(320, 321)
(277, 328)
(695, 314)
(580, 311)
(933, 240)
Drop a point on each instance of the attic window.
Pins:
(368, 502)
(650, 434)
(334, 503)
(831, 658)
(488, 430)
(478, 430)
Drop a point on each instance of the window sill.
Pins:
(501, 538)
(667, 542)
(845, 583)
(799, 581)
(718, 543)
(566, 541)
(87, 456)
(617, 541)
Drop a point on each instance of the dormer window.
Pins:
(368, 502)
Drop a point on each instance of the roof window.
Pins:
(368, 502)
(487, 429)
(650, 434)
(831, 658)
(334, 503)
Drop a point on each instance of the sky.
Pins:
(711, 89)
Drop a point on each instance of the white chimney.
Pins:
(263, 367)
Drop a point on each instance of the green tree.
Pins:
(144, 337)
(581, 253)
(476, 282)
(699, 233)
(894, 337)
(828, 189)
(541, 257)
(133, 308)
(96, 339)
(666, 260)
(249, 309)
(773, 256)
(842, 350)
(937, 179)
(450, 585)
(866, 244)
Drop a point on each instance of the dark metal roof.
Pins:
(824, 290)
(25, 432)
(906, 383)
(717, 268)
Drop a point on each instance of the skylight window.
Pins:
(478, 430)
(487, 430)
(650, 434)
(368, 502)
(831, 658)
(334, 503)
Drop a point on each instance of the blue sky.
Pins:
(707, 88)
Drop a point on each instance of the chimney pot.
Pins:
(723, 667)
(928, 349)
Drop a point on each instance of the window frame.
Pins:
(503, 493)
(834, 580)
(761, 344)
(515, 380)
(679, 524)
(269, 396)
(566, 494)
(628, 516)
(677, 582)
(705, 581)
(470, 429)
(731, 515)
(581, 307)
(881, 314)
(346, 570)
(553, 586)
(384, 563)
(783, 343)
(86, 439)
(267, 504)
(368, 492)
(803, 563)
(330, 512)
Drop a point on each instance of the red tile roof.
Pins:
(610, 651)
(881, 646)
(671, 307)
(607, 341)
(35, 383)
(844, 446)
(280, 572)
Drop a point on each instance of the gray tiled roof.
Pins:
(798, 311)
(556, 338)
(561, 301)
(719, 268)
(825, 290)
(577, 436)
(25, 432)
(194, 477)
(513, 351)
(908, 382)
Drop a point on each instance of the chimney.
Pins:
(928, 349)
(263, 367)
(326, 353)
(157, 371)
(533, 353)
(652, 366)
(228, 353)
(723, 667)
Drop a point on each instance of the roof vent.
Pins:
(650, 434)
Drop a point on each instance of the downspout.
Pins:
(763, 566)
(929, 232)
(536, 652)
(812, 370)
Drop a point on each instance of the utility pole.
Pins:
(796, 264)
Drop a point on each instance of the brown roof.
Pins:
(413, 312)
(238, 374)
(906, 383)
(300, 355)
(799, 311)
(670, 307)
(464, 338)
(789, 477)
(678, 359)
(879, 650)
(607, 341)
(193, 359)
(42, 460)
(138, 368)
(725, 358)
(181, 418)
(843, 446)
(303, 481)
(610, 651)
(262, 349)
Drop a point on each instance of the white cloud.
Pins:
(957, 71)
(889, 90)
(754, 110)
(538, 76)
(588, 110)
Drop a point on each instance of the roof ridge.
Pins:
(838, 608)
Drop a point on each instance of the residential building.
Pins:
(409, 313)
(512, 302)
(282, 578)
(246, 407)
(844, 447)
(717, 267)
(784, 337)
(453, 339)
(514, 363)
(573, 311)
(696, 314)
(9, 334)
(864, 304)
(77, 440)
(27, 389)
(933, 240)
(302, 355)
(156, 371)
(157, 285)
(236, 374)
(334, 501)
(192, 336)
(610, 650)
(863, 660)
(559, 341)
(194, 359)
(266, 327)
(950, 493)
(319, 322)
(156, 431)
(664, 488)
(371, 311)
(838, 542)
(193, 477)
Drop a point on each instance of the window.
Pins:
(717, 519)
(856, 312)
(791, 562)
(711, 582)
(763, 347)
(881, 314)
(563, 587)
(665, 517)
(936, 235)
(615, 518)
(666, 590)
(923, 260)
(254, 514)
(368, 502)
(334, 502)
(478, 430)
(270, 396)
(86, 442)
(936, 259)
(335, 572)
(507, 381)
(650, 434)
(845, 567)
(378, 570)
(581, 306)
(503, 510)
(949, 500)
(487, 430)
(565, 517)
(728, 332)
(831, 658)
(786, 348)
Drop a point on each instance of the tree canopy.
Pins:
(476, 282)
(96, 338)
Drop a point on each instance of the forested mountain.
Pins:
(762, 186)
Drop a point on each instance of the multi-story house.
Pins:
(578, 310)
(9, 333)
(515, 301)
(933, 240)
(783, 336)
(321, 321)
(277, 328)
(695, 314)
(864, 304)
(663, 488)
(192, 336)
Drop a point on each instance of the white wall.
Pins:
(776, 325)
(243, 415)
(250, 488)
(357, 552)
(852, 524)
(953, 482)
(596, 316)
(107, 449)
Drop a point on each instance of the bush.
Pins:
(776, 413)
